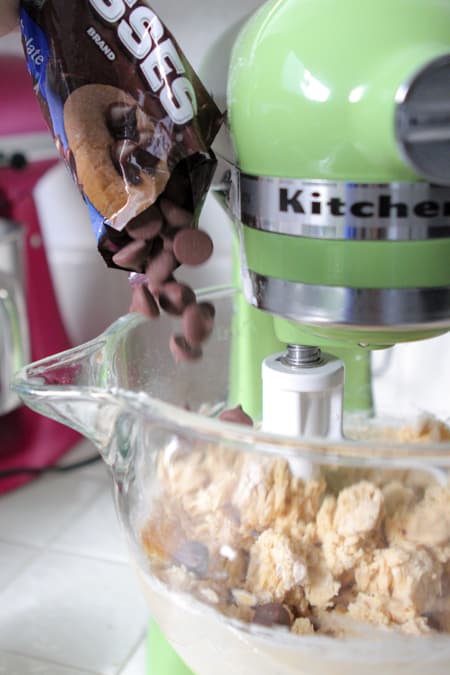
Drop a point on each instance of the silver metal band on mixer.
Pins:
(313, 209)
(339, 210)
(372, 308)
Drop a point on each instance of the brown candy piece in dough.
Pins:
(175, 297)
(198, 322)
(272, 613)
(143, 302)
(192, 247)
(194, 556)
(182, 351)
(237, 416)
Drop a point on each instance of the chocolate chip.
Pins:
(237, 416)
(272, 613)
(175, 297)
(194, 556)
(143, 302)
(147, 225)
(160, 269)
(182, 351)
(122, 122)
(132, 256)
(192, 247)
(175, 215)
(198, 322)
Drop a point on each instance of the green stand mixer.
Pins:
(340, 116)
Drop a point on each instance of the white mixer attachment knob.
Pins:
(303, 397)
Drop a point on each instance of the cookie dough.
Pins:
(353, 547)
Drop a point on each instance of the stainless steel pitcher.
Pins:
(14, 338)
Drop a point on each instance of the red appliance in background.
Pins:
(27, 152)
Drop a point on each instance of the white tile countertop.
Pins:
(69, 602)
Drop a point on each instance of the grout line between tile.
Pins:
(39, 552)
(131, 653)
(18, 544)
(34, 554)
(47, 662)
(77, 554)
(76, 515)
(84, 556)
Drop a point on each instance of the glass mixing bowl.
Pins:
(247, 567)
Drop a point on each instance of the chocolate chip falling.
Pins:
(174, 297)
(143, 302)
(194, 556)
(133, 256)
(198, 322)
(175, 215)
(192, 247)
(147, 225)
(121, 121)
(160, 269)
(237, 416)
(182, 350)
(272, 613)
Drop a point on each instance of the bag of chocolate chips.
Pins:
(135, 126)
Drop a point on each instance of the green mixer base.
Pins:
(162, 658)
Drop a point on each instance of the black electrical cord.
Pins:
(17, 161)
(57, 468)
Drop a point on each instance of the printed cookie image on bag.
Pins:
(119, 167)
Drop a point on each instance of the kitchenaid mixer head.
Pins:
(340, 118)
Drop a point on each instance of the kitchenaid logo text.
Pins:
(142, 35)
(384, 206)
